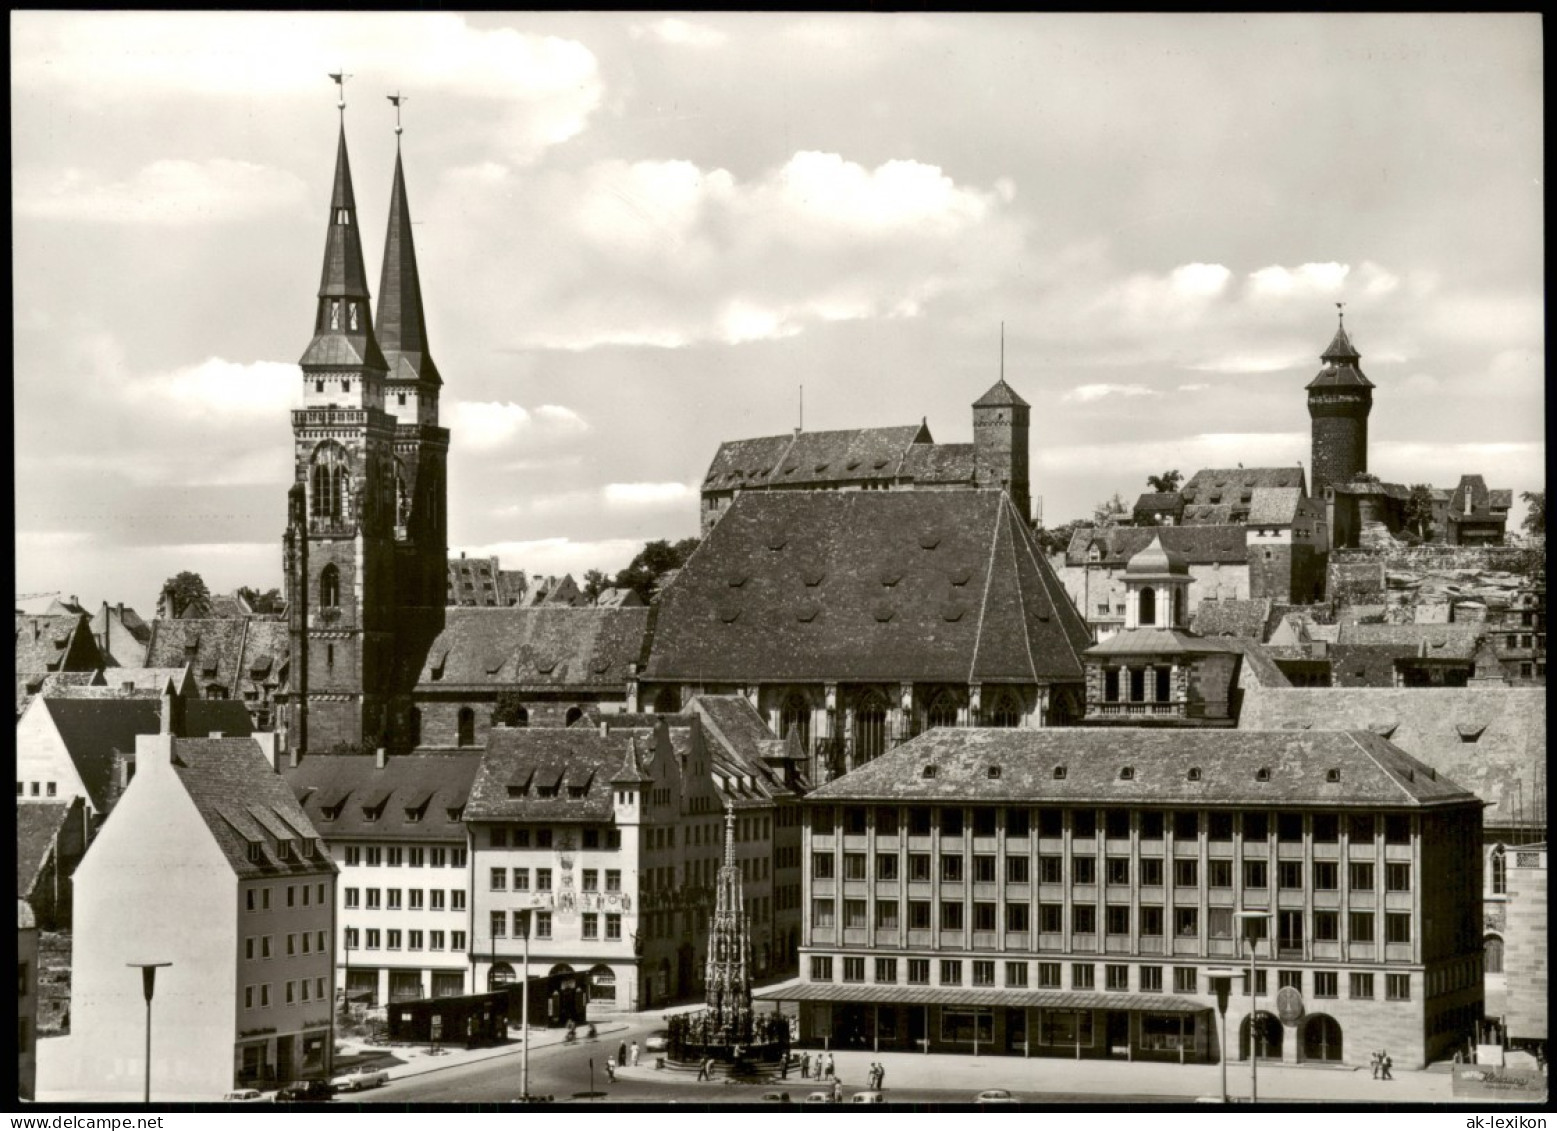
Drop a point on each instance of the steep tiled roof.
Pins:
(1246, 618)
(344, 277)
(413, 794)
(939, 463)
(736, 737)
(1159, 502)
(959, 760)
(1341, 367)
(560, 775)
(1274, 506)
(812, 458)
(244, 801)
(29, 687)
(1441, 641)
(1500, 498)
(534, 648)
(94, 731)
(37, 822)
(618, 599)
(1200, 545)
(1207, 514)
(54, 643)
(239, 654)
(1481, 499)
(1490, 740)
(1259, 665)
(933, 586)
(1000, 394)
(1232, 483)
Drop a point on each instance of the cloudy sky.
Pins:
(641, 234)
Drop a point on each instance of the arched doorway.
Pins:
(560, 968)
(870, 728)
(1321, 1038)
(499, 976)
(1492, 945)
(1270, 1037)
(602, 983)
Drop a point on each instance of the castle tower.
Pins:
(421, 447)
(1000, 439)
(1339, 400)
(727, 977)
(340, 546)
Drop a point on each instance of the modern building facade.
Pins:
(1064, 892)
(395, 829)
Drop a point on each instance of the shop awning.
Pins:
(865, 994)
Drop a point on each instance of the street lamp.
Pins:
(1222, 985)
(522, 923)
(148, 987)
(1253, 936)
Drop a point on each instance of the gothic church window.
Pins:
(796, 716)
(335, 314)
(1005, 711)
(351, 314)
(328, 482)
(870, 729)
(943, 711)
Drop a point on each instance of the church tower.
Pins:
(340, 541)
(1339, 400)
(1000, 439)
(411, 397)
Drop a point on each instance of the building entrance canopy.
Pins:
(964, 996)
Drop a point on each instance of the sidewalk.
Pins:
(968, 1074)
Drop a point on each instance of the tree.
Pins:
(1057, 539)
(1419, 510)
(1535, 518)
(510, 710)
(1111, 512)
(656, 559)
(183, 596)
(595, 583)
(1166, 483)
(267, 602)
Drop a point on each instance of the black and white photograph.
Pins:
(600, 560)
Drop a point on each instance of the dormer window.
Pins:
(256, 852)
(929, 772)
(1127, 773)
(1194, 773)
(518, 790)
(283, 850)
(546, 791)
(1059, 773)
(1262, 774)
(993, 773)
(1332, 775)
(578, 790)
(310, 848)
(456, 814)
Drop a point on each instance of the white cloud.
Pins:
(823, 188)
(1195, 387)
(486, 425)
(1086, 393)
(219, 388)
(635, 495)
(1309, 280)
(682, 33)
(163, 192)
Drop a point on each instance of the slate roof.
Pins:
(37, 824)
(1158, 502)
(54, 643)
(1492, 740)
(736, 737)
(538, 648)
(1274, 506)
(94, 731)
(813, 458)
(242, 654)
(29, 687)
(417, 793)
(1000, 394)
(343, 276)
(1232, 483)
(932, 586)
(519, 762)
(940, 463)
(1245, 618)
(1156, 642)
(1372, 771)
(402, 324)
(243, 800)
(1341, 368)
(1200, 545)
(1442, 641)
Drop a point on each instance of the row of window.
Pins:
(541, 919)
(1150, 824)
(498, 879)
(50, 789)
(432, 899)
(1083, 976)
(258, 996)
(393, 856)
(591, 838)
(1324, 875)
(258, 899)
(393, 937)
(259, 946)
(984, 916)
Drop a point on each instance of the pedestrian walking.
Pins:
(702, 1070)
(837, 1091)
(621, 1053)
(881, 1075)
(611, 1069)
(634, 1055)
(784, 1068)
(1373, 1062)
(832, 1072)
(805, 1066)
(1384, 1065)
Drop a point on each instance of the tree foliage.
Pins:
(1055, 540)
(184, 595)
(1111, 512)
(1419, 510)
(1535, 518)
(656, 559)
(595, 583)
(1166, 483)
(267, 602)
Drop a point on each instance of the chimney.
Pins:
(380, 756)
(168, 702)
(605, 729)
(462, 555)
(121, 610)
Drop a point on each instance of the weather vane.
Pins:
(397, 98)
(340, 78)
(1341, 306)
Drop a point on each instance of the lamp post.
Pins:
(1222, 985)
(148, 987)
(1249, 919)
(522, 921)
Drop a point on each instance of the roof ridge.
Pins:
(1021, 592)
(989, 576)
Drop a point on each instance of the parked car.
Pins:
(820, 1098)
(995, 1096)
(657, 1041)
(306, 1091)
(775, 1097)
(868, 1098)
(359, 1079)
(243, 1096)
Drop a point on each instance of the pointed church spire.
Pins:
(343, 325)
(1340, 348)
(402, 325)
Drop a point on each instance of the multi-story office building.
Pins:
(1067, 892)
(395, 827)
